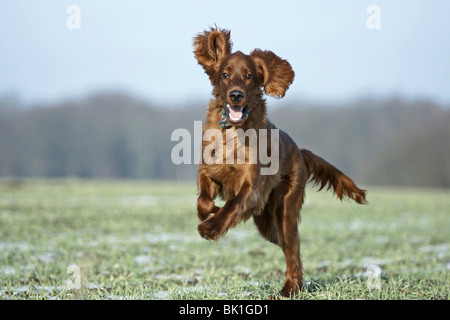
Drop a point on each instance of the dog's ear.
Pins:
(274, 74)
(210, 47)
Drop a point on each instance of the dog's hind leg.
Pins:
(278, 223)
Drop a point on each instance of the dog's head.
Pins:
(238, 78)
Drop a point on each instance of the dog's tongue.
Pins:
(235, 112)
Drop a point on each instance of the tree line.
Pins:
(390, 141)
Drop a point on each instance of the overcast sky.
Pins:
(145, 47)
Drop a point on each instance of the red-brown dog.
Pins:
(273, 200)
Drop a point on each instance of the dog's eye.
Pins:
(248, 76)
(225, 75)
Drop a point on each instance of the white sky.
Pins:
(145, 47)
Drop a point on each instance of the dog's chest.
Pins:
(230, 147)
(228, 175)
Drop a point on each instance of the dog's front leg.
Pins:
(216, 225)
(207, 191)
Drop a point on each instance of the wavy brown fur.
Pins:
(273, 201)
(323, 173)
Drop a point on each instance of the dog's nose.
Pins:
(236, 95)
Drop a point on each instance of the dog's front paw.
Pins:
(209, 229)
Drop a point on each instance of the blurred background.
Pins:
(94, 89)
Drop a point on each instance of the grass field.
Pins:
(138, 240)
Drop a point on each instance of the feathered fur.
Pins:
(274, 201)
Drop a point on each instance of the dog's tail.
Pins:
(323, 173)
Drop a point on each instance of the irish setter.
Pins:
(273, 201)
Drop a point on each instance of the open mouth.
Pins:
(236, 114)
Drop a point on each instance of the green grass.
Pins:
(138, 240)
